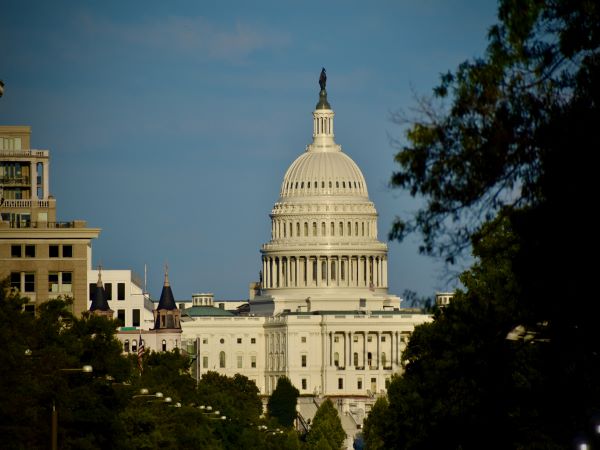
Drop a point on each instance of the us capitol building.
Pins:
(321, 313)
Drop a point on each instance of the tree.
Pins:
(326, 432)
(373, 430)
(506, 169)
(282, 403)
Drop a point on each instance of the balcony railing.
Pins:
(23, 153)
(29, 224)
(11, 181)
(28, 203)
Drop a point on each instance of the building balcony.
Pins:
(15, 181)
(24, 153)
(29, 224)
(29, 203)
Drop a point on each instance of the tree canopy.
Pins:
(282, 403)
(326, 432)
(506, 170)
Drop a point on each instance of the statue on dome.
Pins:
(323, 79)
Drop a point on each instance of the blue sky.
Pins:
(171, 124)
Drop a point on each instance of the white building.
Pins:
(321, 314)
(125, 295)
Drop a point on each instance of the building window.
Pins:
(126, 346)
(205, 340)
(341, 228)
(134, 346)
(304, 384)
(332, 233)
(336, 359)
(120, 291)
(205, 362)
(303, 339)
(369, 339)
(355, 357)
(382, 338)
(253, 362)
(336, 339)
(15, 251)
(305, 228)
(383, 359)
(387, 383)
(222, 360)
(29, 282)
(135, 318)
(322, 228)
(314, 228)
(15, 280)
(240, 361)
(30, 251)
(303, 360)
(359, 383)
(66, 281)
(340, 383)
(362, 303)
(53, 285)
(108, 291)
(53, 251)
(253, 340)
(239, 340)
(222, 341)
(164, 345)
(67, 251)
(333, 270)
(369, 359)
(355, 338)
(324, 270)
(121, 317)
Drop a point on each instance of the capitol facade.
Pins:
(321, 314)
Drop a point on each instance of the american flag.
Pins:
(140, 352)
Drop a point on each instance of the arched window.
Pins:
(349, 229)
(336, 359)
(332, 229)
(363, 228)
(333, 272)
(222, 360)
(314, 270)
(324, 270)
(284, 229)
(291, 229)
(322, 228)
(297, 228)
(342, 270)
(341, 229)
(308, 185)
(343, 184)
(314, 227)
(355, 228)
(330, 185)
(369, 359)
(355, 359)
(134, 346)
(337, 184)
(126, 346)
(164, 345)
(305, 228)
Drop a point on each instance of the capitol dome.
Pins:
(324, 245)
(323, 173)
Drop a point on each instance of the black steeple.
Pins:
(99, 302)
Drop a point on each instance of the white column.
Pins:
(46, 180)
(33, 182)
(385, 274)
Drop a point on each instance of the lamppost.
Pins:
(54, 439)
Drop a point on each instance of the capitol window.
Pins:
(322, 228)
(341, 229)
(332, 229)
(222, 360)
(305, 228)
(314, 228)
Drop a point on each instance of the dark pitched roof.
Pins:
(99, 302)
(167, 300)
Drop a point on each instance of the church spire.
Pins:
(99, 301)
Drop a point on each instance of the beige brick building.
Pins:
(42, 257)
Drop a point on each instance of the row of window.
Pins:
(135, 317)
(29, 251)
(315, 185)
(222, 340)
(336, 359)
(285, 229)
(223, 361)
(58, 282)
(108, 291)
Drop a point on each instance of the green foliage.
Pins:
(507, 168)
(326, 432)
(282, 403)
(373, 427)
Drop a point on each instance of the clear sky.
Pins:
(171, 123)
